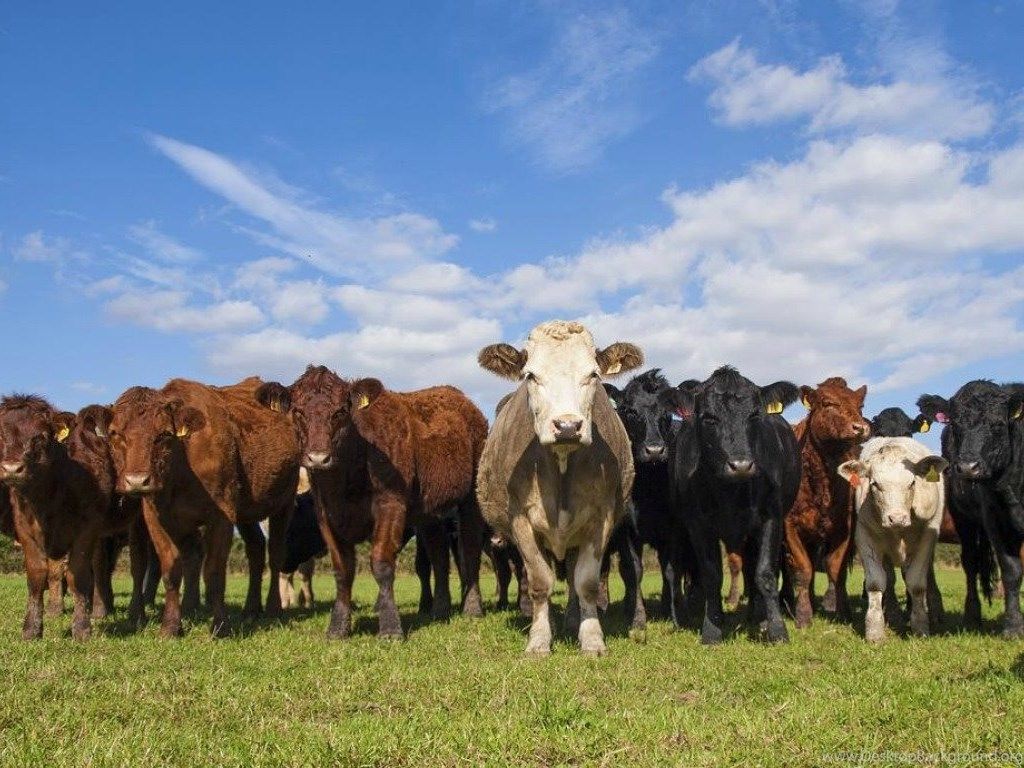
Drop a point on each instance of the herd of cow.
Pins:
(572, 470)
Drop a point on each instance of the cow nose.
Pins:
(318, 459)
(136, 481)
(968, 468)
(654, 450)
(741, 466)
(14, 468)
(567, 429)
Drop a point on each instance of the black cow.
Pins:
(983, 440)
(650, 424)
(735, 471)
(894, 422)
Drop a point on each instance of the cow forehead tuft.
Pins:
(560, 330)
(33, 403)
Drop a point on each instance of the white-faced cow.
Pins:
(899, 497)
(557, 469)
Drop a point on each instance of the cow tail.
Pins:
(987, 572)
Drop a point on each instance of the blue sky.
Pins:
(800, 189)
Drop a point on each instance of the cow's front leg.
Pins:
(389, 514)
(766, 577)
(277, 551)
(874, 581)
(256, 556)
(587, 574)
(170, 568)
(215, 566)
(80, 573)
(138, 542)
(541, 578)
(709, 561)
(801, 575)
(56, 569)
(37, 569)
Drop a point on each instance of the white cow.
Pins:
(557, 469)
(900, 496)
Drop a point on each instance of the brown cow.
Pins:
(377, 460)
(200, 455)
(821, 519)
(62, 489)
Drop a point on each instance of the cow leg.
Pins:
(80, 574)
(305, 571)
(471, 542)
(541, 578)
(389, 515)
(890, 604)
(835, 565)
(102, 573)
(151, 580)
(277, 551)
(191, 567)
(502, 572)
(936, 611)
(56, 568)
(766, 577)
(256, 556)
(915, 575)
(522, 584)
(603, 598)
(875, 580)
(137, 550)
(37, 570)
(217, 543)
(286, 586)
(587, 574)
(170, 568)
(709, 561)
(735, 560)
(971, 559)
(435, 543)
(631, 568)
(423, 570)
(801, 575)
(1011, 570)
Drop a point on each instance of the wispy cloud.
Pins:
(484, 226)
(580, 98)
(35, 246)
(170, 311)
(162, 246)
(332, 242)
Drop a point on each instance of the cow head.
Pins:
(647, 419)
(836, 412)
(728, 410)
(894, 422)
(145, 429)
(31, 431)
(895, 483)
(979, 419)
(562, 370)
(319, 407)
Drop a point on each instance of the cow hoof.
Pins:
(99, 612)
(170, 630)
(710, 635)
(441, 613)
(776, 634)
(595, 652)
(391, 635)
(538, 653)
(538, 646)
(338, 633)
(79, 632)
(638, 635)
(473, 609)
(274, 614)
(1015, 632)
(32, 633)
(220, 629)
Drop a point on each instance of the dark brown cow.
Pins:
(821, 519)
(379, 460)
(200, 455)
(62, 494)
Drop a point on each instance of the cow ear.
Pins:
(614, 394)
(62, 423)
(930, 468)
(1016, 392)
(274, 396)
(778, 396)
(681, 402)
(187, 420)
(921, 424)
(96, 419)
(861, 392)
(503, 359)
(808, 396)
(853, 471)
(619, 357)
(934, 408)
(364, 392)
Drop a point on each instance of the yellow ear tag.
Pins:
(613, 369)
(62, 433)
(364, 401)
(275, 405)
(774, 408)
(182, 431)
(1018, 412)
(806, 402)
(925, 426)
(932, 476)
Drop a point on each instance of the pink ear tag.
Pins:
(941, 417)
(854, 480)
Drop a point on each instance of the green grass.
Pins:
(463, 693)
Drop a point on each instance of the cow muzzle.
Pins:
(971, 470)
(13, 471)
(739, 469)
(317, 460)
(137, 483)
(567, 429)
(652, 452)
(895, 520)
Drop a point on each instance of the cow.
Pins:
(983, 441)
(821, 520)
(735, 471)
(379, 460)
(651, 428)
(206, 457)
(894, 422)
(62, 494)
(557, 469)
(899, 498)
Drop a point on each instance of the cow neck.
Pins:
(45, 490)
(821, 462)
(350, 456)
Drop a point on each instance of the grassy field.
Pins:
(462, 693)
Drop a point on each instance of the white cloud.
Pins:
(437, 278)
(332, 242)
(485, 225)
(88, 387)
(35, 246)
(169, 311)
(935, 104)
(162, 246)
(581, 97)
